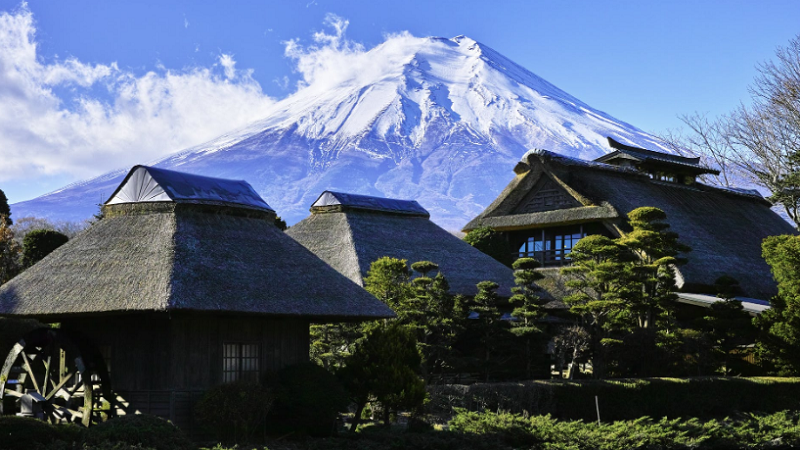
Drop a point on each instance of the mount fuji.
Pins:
(441, 121)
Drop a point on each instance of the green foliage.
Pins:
(624, 399)
(10, 252)
(21, 433)
(308, 399)
(388, 280)
(490, 329)
(332, 343)
(280, 223)
(5, 210)
(137, 429)
(39, 243)
(487, 240)
(747, 432)
(385, 367)
(728, 326)
(780, 325)
(527, 309)
(234, 411)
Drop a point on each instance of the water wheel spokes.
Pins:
(53, 376)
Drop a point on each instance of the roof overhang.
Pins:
(558, 217)
(751, 305)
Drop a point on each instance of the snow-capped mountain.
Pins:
(441, 121)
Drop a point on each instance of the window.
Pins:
(240, 362)
(551, 247)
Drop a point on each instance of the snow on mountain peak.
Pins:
(438, 120)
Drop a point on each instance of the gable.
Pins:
(546, 195)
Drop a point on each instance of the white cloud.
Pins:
(335, 60)
(45, 131)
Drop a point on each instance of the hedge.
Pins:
(702, 398)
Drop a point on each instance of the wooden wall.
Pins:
(160, 360)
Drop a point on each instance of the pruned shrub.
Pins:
(308, 399)
(24, 433)
(137, 430)
(235, 411)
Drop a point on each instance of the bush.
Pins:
(235, 410)
(143, 430)
(703, 398)
(308, 399)
(24, 433)
(776, 430)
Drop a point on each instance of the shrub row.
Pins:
(141, 432)
(703, 398)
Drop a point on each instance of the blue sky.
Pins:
(68, 69)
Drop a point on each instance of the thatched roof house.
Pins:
(177, 242)
(185, 284)
(351, 231)
(554, 200)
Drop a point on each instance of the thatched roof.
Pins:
(203, 255)
(724, 227)
(350, 238)
(653, 159)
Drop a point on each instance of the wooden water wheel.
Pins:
(55, 376)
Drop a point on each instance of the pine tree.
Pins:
(5, 210)
(494, 244)
(727, 325)
(490, 327)
(779, 326)
(599, 278)
(657, 250)
(10, 252)
(39, 243)
(388, 279)
(384, 367)
(528, 308)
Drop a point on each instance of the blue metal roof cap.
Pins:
(151, 184)
(366, 202)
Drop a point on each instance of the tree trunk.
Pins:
(357, 418)
(386, 417)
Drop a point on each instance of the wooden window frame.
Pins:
(241, 361)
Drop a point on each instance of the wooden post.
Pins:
(597, 406)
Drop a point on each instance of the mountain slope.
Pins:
(442, 121)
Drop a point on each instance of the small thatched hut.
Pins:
(553, 201)
(350, 231)
(185, 284)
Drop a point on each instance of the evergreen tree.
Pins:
(384, 367)
(332, 343)
(10, 252)
(39, 243)
(728, 326)
(5, 210)
(437, 318)
(657, 251)
(388, 279)
(490, 327)
(487, 240)
(528, 308)
(599, 278)
(780, 325)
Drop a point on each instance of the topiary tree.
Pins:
(779, 326)
(727, 325)
(528, 308)
(280, 223)
(39, 243)
(657, 249)
(489, 326)
(388, 280)
(599, 279)
(5, 210)
(384, 367)
(494, 244)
